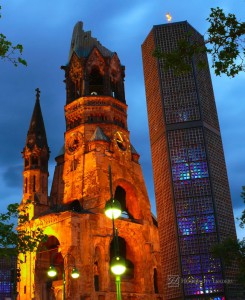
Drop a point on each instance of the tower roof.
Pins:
(133, 150)
(99, 135)
(82, 43)
(36, 134)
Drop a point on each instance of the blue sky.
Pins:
(45, 28)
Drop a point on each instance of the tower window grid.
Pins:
(201, 272)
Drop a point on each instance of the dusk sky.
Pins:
(45, 28)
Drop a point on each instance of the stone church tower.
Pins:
(80, 234)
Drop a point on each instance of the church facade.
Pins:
(80, 235)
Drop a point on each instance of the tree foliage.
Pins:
(231, 250)
(10, 52)
(13, 242)
(225, 42)
(242, 218)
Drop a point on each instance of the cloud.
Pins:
(12, 176)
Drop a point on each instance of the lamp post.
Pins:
(52, 272)
(117, 265)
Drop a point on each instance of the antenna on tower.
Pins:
(169, 17)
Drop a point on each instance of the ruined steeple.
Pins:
(82, 43)
(92, 69)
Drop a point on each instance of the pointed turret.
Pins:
(36, 156)
(99, 135)
(36, 134)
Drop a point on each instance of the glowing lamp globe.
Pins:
(118, 266)
(75, 274)
(52, 272)
(113, 209)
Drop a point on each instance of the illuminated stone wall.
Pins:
(97, 136)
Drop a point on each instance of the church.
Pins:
(98, 168)
(96, 163)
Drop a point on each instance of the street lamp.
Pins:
(113, 211)
(52, 272)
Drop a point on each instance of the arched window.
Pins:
(26, 185)
(120, 195)
(34, 161)
(155, 281)
(48, 254)
(114, 89)
(96, 277)
(43, 189)
(121, 248)
(26, 162)
(34, 184)
(98, 261)
(95, 82)
(75, 206)
(71, 91)
(74, 164)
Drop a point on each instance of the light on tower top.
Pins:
(169, 17)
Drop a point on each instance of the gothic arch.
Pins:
(131, 200)
(95, 59)
(74, 78)
(99, 261)
(155, 280)
(47, 255)
(125, 251)
(115, 75)
(115, 71)
(76, 68)
(75, 206)
(95, 82)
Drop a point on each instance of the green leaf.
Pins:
(225, 43)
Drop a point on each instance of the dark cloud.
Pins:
(12, 177)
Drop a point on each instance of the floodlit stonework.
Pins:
(80, 234)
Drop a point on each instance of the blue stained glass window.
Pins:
(206, 223)
(213, 283)
(181, 172)
(5, 287)
(193, 285)
(198, 170)
(178, 155)
(5, 277)
(210, 264)
(196, 152)
(187, 226)
(191, 264)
